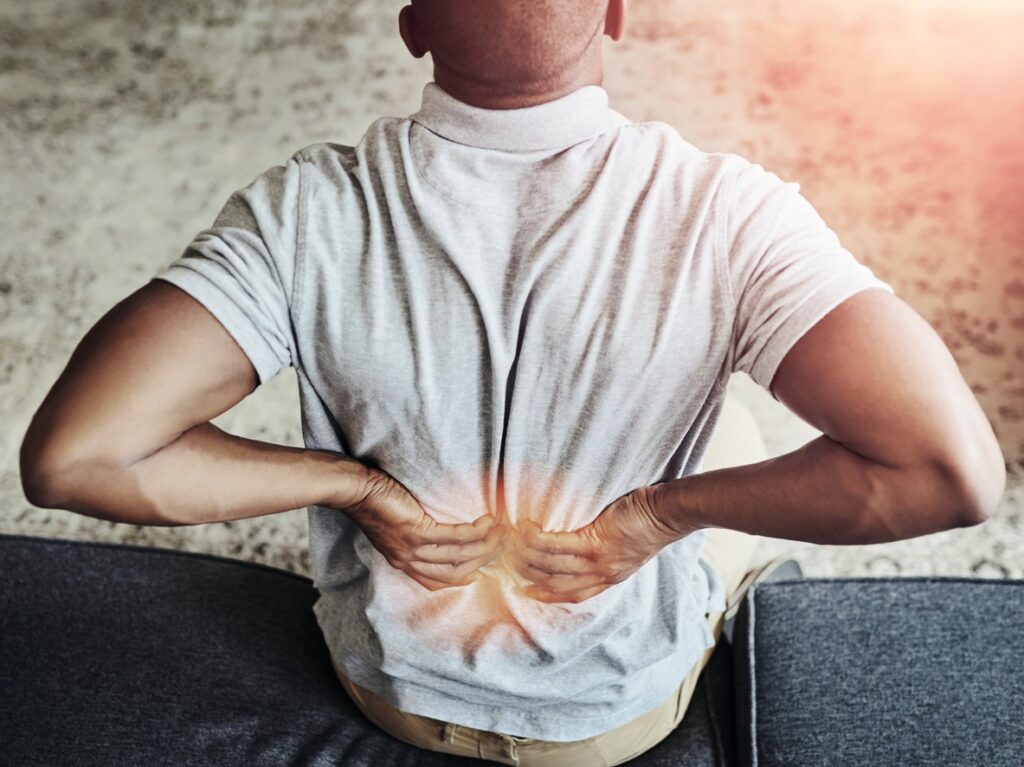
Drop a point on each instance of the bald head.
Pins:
(504, 54)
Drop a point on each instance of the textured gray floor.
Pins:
(125, 125)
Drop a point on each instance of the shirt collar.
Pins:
(557, 124)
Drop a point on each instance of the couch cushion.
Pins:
(881, 671)
(115, 654)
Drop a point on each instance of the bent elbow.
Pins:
(969, 516)
(983, 501)
(978, 490)
(44, 467)
(41, 484)
(35, 478)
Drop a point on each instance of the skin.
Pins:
(906, 450)
(436, 555)
(124, 434)
(507, 54)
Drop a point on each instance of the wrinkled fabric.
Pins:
(528, 313)
(911, 671)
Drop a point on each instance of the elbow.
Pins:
(967, 516)
(975, 488)
(45, 468)
(52, 477)
(985, 479)
(41, 482)
(982, 497)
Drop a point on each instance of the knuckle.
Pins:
(393, 557)
(420, 549)
(411, 536)
(591, 538)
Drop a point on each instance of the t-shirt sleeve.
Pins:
(241, 268)
(786, 268)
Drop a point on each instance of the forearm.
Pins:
(207, 475)
(822, 493)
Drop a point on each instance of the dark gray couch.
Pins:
(126, 655)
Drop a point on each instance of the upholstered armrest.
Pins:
(882, 672)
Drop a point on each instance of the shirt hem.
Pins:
(565, 730)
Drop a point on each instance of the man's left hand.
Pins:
(577, 565)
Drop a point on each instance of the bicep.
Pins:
(157, 364)
(873, 375)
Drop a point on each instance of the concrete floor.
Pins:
(125, 125)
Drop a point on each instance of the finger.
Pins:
(427, 582)
(555, 542)
(459, 552)
(466, 579)
(451, 571)
(552, 563)
(465, 532)
(561, 582)
(454, 574)
(543, 595)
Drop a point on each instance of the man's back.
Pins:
(530, 313)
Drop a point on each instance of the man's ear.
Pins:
(615, 19)
(410, 35)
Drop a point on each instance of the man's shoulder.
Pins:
(325, 153)
(380, 138)
(666, 139)
(329, 165)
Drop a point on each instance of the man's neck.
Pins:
(486, 96)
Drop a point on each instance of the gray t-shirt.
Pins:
(527, 312)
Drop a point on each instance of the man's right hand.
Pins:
(435, 554)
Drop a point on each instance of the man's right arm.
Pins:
(125, 435)
(906, 449)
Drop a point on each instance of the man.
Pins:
(513, 316)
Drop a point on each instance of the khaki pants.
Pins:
(736, 441)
